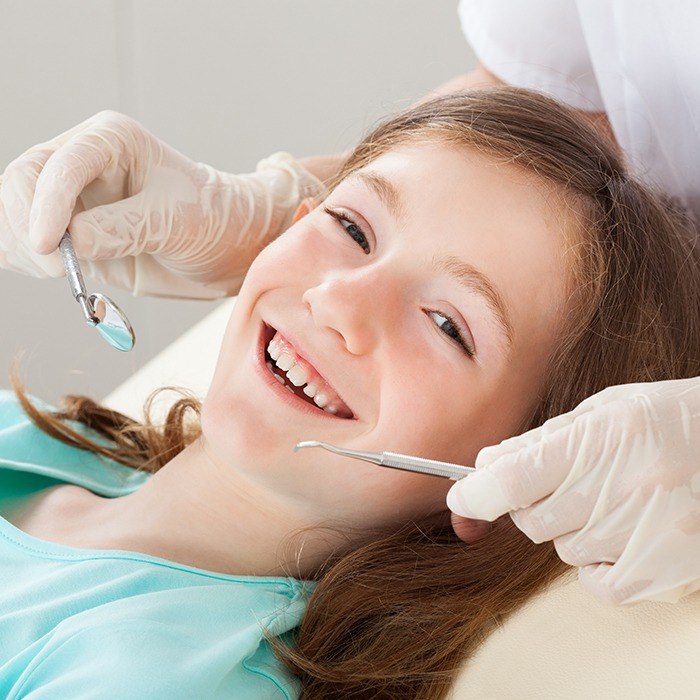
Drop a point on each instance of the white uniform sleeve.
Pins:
(538, 44)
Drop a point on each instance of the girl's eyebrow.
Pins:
(470, 277)
(385, 191)
(465, 274)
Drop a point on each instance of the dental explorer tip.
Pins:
(307, 443)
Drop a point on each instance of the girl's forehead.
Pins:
(440, 166)
(450, 182)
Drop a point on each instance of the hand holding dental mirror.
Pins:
(100, 311)
(108, 171)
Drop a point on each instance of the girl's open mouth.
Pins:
(295, 379)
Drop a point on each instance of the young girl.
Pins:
(481, 264)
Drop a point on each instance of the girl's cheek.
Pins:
(278, 255)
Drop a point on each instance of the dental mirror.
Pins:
(100, 311)
(112, 324)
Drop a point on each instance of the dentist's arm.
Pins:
(143, 216)
(615, 484)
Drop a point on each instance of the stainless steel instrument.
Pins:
(397, 461)
(100, 311)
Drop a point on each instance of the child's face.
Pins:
(375, 327)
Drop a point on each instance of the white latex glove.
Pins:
(146, 217)
(615, 484)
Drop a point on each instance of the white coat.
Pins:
(636, 60)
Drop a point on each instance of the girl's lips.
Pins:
(291, 399)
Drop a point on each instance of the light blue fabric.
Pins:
(111, 624)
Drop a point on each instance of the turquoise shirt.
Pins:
(112, 624)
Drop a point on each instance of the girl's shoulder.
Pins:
(11, 411)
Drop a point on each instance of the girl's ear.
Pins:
(304, 208)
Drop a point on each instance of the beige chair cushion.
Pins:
(564, 644)
(567, 644)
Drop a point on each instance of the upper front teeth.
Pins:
(284, 361)
(273, 350)
(295, 373)
(298, 376)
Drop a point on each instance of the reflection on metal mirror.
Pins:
(112, 324)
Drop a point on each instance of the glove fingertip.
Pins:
(40, 237)
(52, 265)
(478, 496)
(48, 221)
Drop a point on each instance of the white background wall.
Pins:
(225, 81)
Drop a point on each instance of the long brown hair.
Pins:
(395, 613)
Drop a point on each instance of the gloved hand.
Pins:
(142, 216)
(615, 484)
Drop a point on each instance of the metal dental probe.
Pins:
(397, 461)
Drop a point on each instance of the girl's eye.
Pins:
(353, 230)
(447, 325)
(450, 329)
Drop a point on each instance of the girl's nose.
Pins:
(358, 305)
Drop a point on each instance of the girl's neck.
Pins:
(192, 512)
